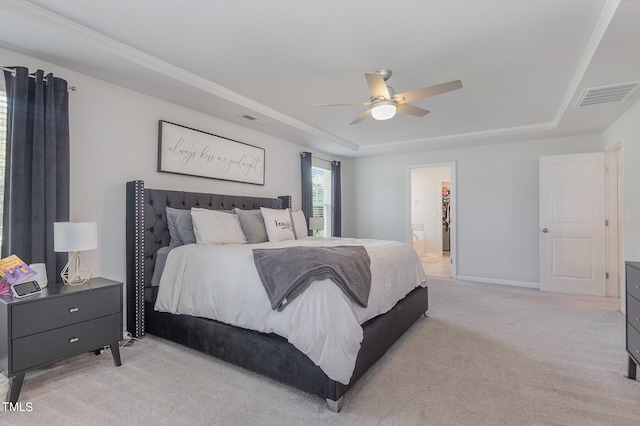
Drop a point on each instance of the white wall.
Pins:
(497, 203)
(626, 132)
(113, 139)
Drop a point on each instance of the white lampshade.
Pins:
(316, 223)
(383, 111)
(75, 236)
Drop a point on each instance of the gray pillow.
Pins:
(252, 225)
(161, 259)
(180, 227)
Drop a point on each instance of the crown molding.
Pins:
(152, 63)
(100, 41)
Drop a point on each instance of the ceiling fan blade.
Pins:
(414, 95)
(377, 86)
(358, 104)
(366, 114)
(411, 110)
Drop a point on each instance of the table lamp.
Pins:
(74, 237)
(316, 224)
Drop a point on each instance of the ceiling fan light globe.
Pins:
(383, 111)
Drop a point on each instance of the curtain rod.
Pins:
(11, 70)
(323, 159)
(13, 73)
(328, 161)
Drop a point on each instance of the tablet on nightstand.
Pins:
(25, 289)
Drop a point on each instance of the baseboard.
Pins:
(500, 282)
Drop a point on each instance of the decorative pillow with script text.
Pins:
(278, 223)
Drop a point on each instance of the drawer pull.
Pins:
(638, 286)
(73, 340)
(72, 310)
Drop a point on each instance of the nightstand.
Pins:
(632, 272)
(58, 323)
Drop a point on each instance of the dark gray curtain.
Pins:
(36, 188)
(307, 185)
(336, 200)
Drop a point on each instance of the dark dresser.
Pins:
(632, 271)
(58, 323)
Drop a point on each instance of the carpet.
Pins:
(486, 355)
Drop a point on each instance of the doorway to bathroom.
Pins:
(432, 220)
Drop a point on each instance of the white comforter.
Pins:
(221, 282)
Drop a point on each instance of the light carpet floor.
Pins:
(486, 355)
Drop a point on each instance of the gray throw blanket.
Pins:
(287, 272)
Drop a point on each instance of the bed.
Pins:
(266, 353)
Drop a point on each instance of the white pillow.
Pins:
(216, 227)
(278, 224)
(299, 224)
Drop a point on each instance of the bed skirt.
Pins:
(285, 363)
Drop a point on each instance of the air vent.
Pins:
(254, 119)
(606, 94)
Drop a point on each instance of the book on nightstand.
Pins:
(13, 270)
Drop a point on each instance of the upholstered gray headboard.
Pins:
(147, 232)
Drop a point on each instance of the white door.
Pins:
(572, 224)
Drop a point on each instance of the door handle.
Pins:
(544, 230)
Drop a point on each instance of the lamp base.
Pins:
(76, 271)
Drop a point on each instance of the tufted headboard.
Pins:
(147, 232)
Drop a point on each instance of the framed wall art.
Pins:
(188, 151)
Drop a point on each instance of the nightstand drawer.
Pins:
(633, 311)
(633, 281)
(27, 319)
(633, 343)
(43, 348)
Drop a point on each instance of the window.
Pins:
(321, 198)
(3, 152)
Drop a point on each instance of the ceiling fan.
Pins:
(385, 102)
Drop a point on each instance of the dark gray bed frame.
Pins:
(268, 354)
